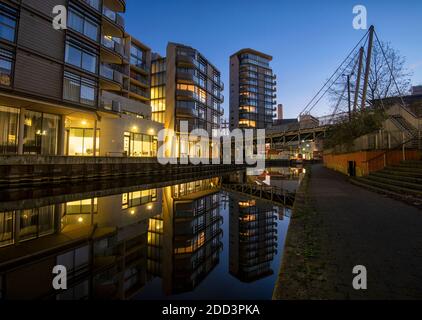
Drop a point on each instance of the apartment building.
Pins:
(253, 239)
(184, 241)
(101, 241)
(82, 91)
(252, 90)
(185, 86)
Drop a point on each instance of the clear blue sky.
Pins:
(308, 39)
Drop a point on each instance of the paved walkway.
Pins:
(365, 228)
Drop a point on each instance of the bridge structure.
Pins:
(273, 194)
(351, 89)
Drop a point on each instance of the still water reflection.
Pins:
(189, 240)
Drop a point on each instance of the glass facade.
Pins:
(24, 225)
(40, 133)
(9, 120)
(81, 23)
(81, 56)
(7, 23)
(256, 92)
(158, 90)
(140, 145)
(80, 142)
(79, 89)
(6, 64)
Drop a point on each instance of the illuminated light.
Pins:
(80, 220)
(151, 131)
(84, 123)
(135, 128)
(28, 122)
(149, 207)
(132, 212)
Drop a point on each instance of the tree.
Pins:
(388, 78)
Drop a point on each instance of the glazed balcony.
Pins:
(187, 77)
(140, 80)
(140, 93)
(186, 110)
(116, 103)
(139, 66)
(220, 84)
(186, 61)
(111, 79)
(115, 5)
(187, 94)
(114, 44)
(115, 22)
(112, 50)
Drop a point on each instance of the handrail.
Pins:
(394, 149)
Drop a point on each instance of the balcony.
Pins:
(113, 44)
(93, 4)
(220, 84)
(114, 17)
(107, 72)
(141, 93)
(115, 5)
(186, 60)
(116, 103)
(187, 77)
(140, 66)
(138, 79)
(218, 95)
(187, 94)
(184, 110)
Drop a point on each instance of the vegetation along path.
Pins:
(336, 226)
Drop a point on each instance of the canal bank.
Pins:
(336, 226)
(17, 171)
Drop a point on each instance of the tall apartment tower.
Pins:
(252, 90)
(83, 91)
(186, 86)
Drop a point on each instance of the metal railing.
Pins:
(384, 159)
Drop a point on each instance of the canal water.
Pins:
(190, 240)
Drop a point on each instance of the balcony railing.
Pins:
(111, 74)
(139, 91)
(140, 79)
(114, 16)
(140, 65)
(112, 44)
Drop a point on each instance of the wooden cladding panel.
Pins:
(38, 75)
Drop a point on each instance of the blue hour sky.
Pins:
(307, 38)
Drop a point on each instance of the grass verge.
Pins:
(303, 272)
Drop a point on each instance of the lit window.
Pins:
(6, 61)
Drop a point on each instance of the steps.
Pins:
(403, 182)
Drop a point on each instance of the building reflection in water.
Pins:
(184, 242)
(111, 246)
(101, 241)
(253, 238)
